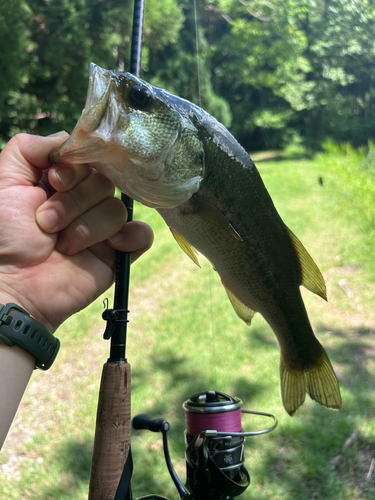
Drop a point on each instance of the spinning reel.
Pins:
(214, 447)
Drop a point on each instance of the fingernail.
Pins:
(64, 175)
(47, 219)
(117, 238)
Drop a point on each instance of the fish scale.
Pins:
(171, 155)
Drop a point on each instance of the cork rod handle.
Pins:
(112, 435)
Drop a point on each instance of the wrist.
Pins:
(18, 355)
(18, 328)
(11, 296)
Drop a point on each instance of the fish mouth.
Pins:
(90, 136)
(99, 82)
(97, 97)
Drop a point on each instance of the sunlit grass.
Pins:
(184, 338)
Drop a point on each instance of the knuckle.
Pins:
(17, 141)
(76, 200)
(77, 237)
(18, 137)
(82, 230)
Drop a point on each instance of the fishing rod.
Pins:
(111, 467)
(214, 436)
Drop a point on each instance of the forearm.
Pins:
(16, 367)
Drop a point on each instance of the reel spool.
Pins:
(214, 446)
(214, 463)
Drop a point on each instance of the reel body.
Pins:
(214, 447)
(214, 464)
(217, 480)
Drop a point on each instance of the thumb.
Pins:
(23, 158)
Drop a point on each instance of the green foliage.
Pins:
(162, 23)
(13, 60)
(44, 73)
(314, 56)
(269, 70)
(176, 68)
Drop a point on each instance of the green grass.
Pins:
(185, 338)
(354, 169)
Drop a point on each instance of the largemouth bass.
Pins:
(171, 155)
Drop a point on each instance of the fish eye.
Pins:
(140, 96)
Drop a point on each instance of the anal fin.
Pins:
(185, 246)
(242, 311)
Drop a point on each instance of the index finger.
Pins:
(23, 158)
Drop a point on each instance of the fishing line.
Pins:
(197, 51)
(212, 410)
(213, 364)
(213, 340)
(221, 422)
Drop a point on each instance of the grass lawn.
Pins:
(185, 338)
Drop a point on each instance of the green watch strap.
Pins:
(17, 327)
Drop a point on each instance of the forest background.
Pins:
(275, 72)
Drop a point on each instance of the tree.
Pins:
(307, 67)
(49, 44)
(273, 70)
(14, 39)
(175, 68)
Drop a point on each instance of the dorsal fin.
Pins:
(242, 311)
(312, 278)
(185, 246)
(213, 216)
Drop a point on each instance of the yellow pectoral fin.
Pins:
(242, 311)
(312, 278)
(185, 246)
(213, 216)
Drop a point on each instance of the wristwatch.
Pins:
(17, 327)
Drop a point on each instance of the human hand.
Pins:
(55, 252)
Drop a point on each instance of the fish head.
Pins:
(139, 136)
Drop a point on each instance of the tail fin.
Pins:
(319, 382)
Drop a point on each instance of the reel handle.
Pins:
(161, 425)
(151, 424)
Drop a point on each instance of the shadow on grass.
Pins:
(73, 463)
(318, 455)
(327, 457)
(364, 332)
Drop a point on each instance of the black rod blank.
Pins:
(136, 47)
(121, 300)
